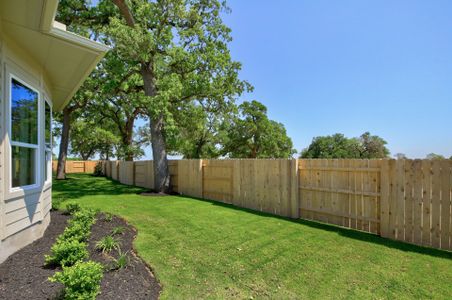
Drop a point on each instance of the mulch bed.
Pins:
(24, 276)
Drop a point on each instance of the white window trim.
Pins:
(48, 163)
(37, 183)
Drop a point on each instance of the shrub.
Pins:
(72, 208)
(66, 252)
(86, 217)
(81, 281)
(107, 244)
(118, 230)
(98, 170)
(77, 231)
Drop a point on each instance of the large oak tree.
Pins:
(179, 48)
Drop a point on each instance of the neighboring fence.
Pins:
(74, 166)
(406, 200)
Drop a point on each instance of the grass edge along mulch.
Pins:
(24, 274)
(204, 249)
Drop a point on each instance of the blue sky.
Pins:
(351, 66)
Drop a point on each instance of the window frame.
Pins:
(48, 162)
(12, 143)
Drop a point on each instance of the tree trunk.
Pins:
(161, 170)
(64, 144)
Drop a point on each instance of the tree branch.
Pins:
(125, 12)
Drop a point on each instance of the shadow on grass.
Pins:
(81, 185)
(345, 232)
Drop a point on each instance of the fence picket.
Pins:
(417, 209)
(445, 204)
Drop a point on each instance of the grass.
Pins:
(203, 249)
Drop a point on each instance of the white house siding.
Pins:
(24, 215)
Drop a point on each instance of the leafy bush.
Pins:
(107, 244)
(118, 230)
(72, 208)
(86, 217)
(81, 281)
(66, 252)
(75, 231)
(98, 170)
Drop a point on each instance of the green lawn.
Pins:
(202, 249)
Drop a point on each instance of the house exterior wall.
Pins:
(24, 213)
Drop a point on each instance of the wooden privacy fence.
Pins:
(74, 166)
(406, 200)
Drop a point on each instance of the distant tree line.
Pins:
(366, 146)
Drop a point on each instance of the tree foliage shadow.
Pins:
(345, 232)
(77, 186)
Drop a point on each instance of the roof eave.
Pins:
(48, 27)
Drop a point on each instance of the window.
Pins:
(24, 134)
(48, 142)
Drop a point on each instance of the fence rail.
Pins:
(406, 200)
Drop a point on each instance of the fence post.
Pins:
(294, 198)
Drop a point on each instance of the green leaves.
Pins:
(70, 246)
(81, 281)
(89, 138)
(66, 252)
(253, 135)
(107, 244)
(367, 146)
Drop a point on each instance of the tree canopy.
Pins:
(87, 139)
(172, 56)
(338, 146)
(251, 134)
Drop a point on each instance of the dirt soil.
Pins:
(24, 276)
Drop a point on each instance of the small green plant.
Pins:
(108, 217)
(107, 244)
(122, 261)
(86, 217)
(77, 231)
(98, 170)
(81, 281)
(72, 208)
(66, 252)
(56, 202)
(118, 230)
